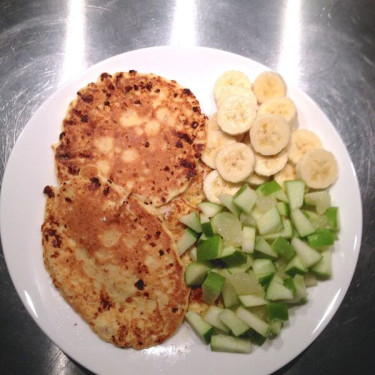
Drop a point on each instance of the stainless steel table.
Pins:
(326, 47)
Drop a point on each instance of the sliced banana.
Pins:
(216, 140)
(302, 141)
(236, 114)
(235, 162)
(214, 185)
(255, 179)
(270, 165)
(231, 78)
(318, 168)
(228, 91)
(288, 173)
(211, 123)
(269, 85)
(284, 107)
(269, 134)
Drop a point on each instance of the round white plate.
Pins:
(31, 167)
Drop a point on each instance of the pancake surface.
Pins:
(114, 261)
(143, 132)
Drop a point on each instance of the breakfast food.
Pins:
(254, 251)
(302, 141)
(142, 131)
(269, 134)
(235, 162)
(269, 85)
(318, 168)
(114, 261)
(128, 163)
(128, 233)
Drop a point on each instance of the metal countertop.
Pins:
(325, 47)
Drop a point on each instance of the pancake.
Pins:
(142, 131)
(113, 261)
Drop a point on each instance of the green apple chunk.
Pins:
(332, 215)
(277, 311)
(323, 268)
(295, 191)
(268, 187)
(202, 328)
(210, 248)
(270, 222)
(245, 199)
(232, 257)
(301, 223)
(224, 343)
(253, 321)
(245, 283)
(229, 294)
(227, 201)
(283, 248)
(212, 317)
(309, 257)
(320, 199)
(236, 325)
(264, 249)
(210, 209)
(248, 239)
(196, 273)
(211, 287)
(206, 225)
(295, 266)
(192, 221)
(321, 238)
(229, 227)
(188, 238)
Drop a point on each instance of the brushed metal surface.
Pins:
(325, 47)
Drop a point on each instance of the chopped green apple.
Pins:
(269, 222)
(210, 248)
(248, 239)
(230, 344)
(245, 199)
(210, 209)
(232, 257)
(196, 273)
(211, 287)
(295, 191)
(236, 325)
(202, 328)
(188, 238)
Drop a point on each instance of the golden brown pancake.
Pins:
(143, 132)
(114, 261)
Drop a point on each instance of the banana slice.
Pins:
(318, 168)
(269, 134)
(214, 185)
(235, 162)
(302, 141)
(269, 85)
(255, 179)
(270, 165)
(288, 173)
(216, 140)
(284, 107)
(211, 123)
(236, 114)
(231, 78)
(228, 91)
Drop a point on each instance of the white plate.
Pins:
(31, 167)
